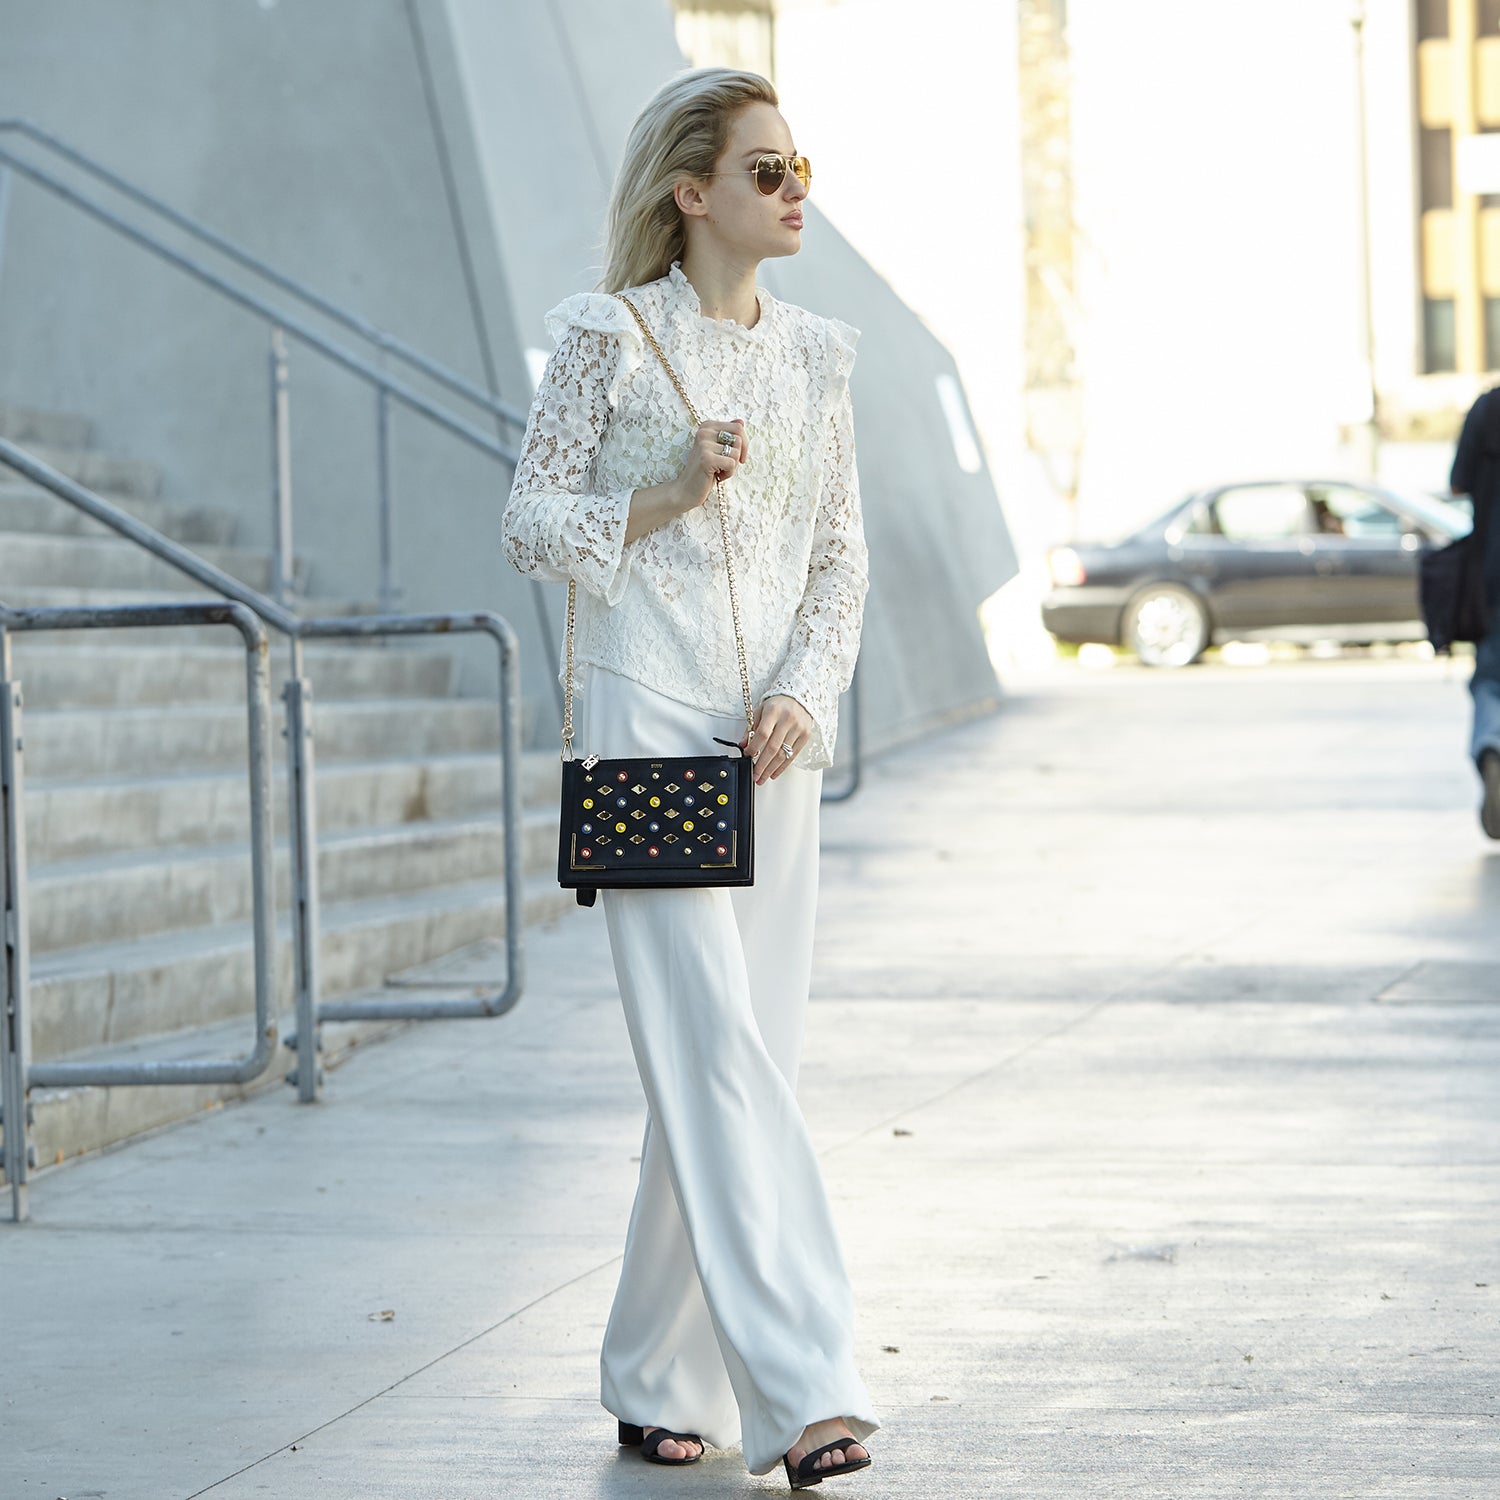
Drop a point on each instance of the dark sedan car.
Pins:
(1279, 558)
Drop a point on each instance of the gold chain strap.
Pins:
(734, 597)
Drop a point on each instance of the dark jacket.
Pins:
(1476, 473)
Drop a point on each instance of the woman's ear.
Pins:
(689, 198)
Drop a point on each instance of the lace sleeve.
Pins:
(819, 660)
(555, 526)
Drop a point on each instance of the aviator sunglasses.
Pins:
(770, 172)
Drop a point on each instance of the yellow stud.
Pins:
(588, 802)
(722, 799)
(687, 827)
(656, 802)
(619, 828)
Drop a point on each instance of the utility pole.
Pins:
(1054, 381)
(1370, 428)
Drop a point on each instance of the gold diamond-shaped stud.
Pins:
(671, 838)
(673, 812)
(636, 838)
(703, 838)
(637, 814)
(638, 789)
(673, 787)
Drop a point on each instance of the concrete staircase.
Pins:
(137, 805)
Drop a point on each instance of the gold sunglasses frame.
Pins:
(788, 164)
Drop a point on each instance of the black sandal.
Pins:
(650, 1443)
(807, 1474)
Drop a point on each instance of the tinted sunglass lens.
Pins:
(770, 173)
(803, 168)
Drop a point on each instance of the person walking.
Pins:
(733, 1319)
(1476, 473)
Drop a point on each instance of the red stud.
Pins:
(585, 853)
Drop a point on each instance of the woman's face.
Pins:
(731, 209)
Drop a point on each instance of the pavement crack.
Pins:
(437, 1359)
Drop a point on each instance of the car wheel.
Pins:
(1166, 626)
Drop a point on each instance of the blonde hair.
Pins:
(681, 132)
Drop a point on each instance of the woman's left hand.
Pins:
(782, 721)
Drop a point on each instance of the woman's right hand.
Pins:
(659, 504)
(707, 461)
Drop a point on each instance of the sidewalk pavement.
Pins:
(1153, 1066)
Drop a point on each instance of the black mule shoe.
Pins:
(650, 1443)
(807, 1474)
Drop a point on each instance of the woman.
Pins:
(733, 1317)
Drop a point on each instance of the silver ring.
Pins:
(727, 449)
(787, 751)
(726, 437)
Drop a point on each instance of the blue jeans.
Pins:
(1485, 686)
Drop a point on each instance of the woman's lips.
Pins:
(795, 220)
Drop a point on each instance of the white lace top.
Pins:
(606, 421)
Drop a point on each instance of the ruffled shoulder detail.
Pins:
(840, 340)
(597, 311)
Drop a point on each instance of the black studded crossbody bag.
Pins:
(657, 821)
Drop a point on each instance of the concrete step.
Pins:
(105, 897)
(56, 429)
(111, 562)
(79, 743)
(110, 993)
(74, 819)
(30, 508)
(54, 676)
(72, 1121)
(105, 472)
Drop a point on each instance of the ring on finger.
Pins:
(787, 751)
(725, 437)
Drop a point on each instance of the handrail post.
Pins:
(388, 592)
(302, 837)
(852, 740)
(15, 967)
(5, 182)
(281, 470)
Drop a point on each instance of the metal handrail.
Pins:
(303, 831)
(17, 1073)
(386, 386)
(276, 317)
(387, 343)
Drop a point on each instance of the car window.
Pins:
(1199, 521)
(1342, 510)
(1263, 512)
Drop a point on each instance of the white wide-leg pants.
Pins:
(733, 1318)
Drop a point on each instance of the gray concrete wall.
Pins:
(442, 167)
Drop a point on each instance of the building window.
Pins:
(1437, 335)
(1492, 333)
(1437, 168)
(1432, 19)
